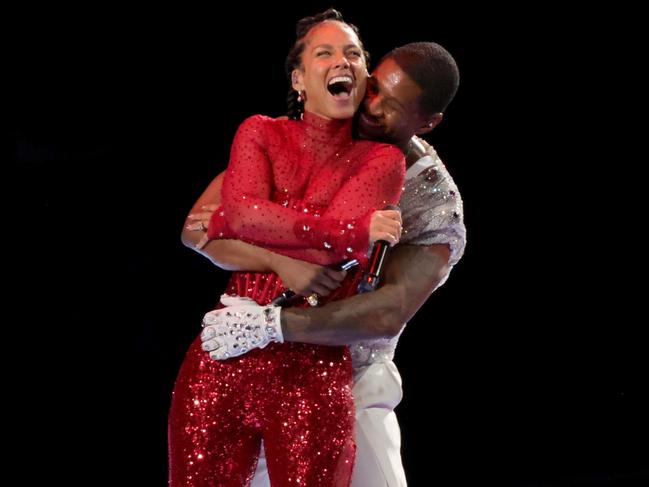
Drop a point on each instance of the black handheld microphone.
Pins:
(285, 297)
(370, 279)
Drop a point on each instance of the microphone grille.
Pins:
(393, 207)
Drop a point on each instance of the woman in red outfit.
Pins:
(303, 188)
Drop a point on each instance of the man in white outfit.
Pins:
(407, 94)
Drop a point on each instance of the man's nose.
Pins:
(373, 105)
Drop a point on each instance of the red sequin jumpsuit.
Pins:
(307, 190)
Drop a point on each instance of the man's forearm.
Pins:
(235, 255)
(231, 255)
(341, 322)
(412, 273)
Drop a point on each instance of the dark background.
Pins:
(526, 369)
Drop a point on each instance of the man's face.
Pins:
(390, 112)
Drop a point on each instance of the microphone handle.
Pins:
(377, 257)
(370, 279)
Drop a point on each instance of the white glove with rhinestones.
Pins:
(240, 327)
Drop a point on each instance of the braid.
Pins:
(294, 58)
(294, 108)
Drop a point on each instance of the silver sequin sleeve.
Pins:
(431, 208)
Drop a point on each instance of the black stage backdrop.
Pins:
(525, 369)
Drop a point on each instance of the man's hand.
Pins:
(301, 277)
(305, 278)
(242, 326)
(199, 221)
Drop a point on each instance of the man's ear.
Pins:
(296, 80)
(430, 124)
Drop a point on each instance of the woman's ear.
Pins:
(297, 81)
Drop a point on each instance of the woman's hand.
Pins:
(386, 225)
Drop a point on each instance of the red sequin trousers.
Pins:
(297, 397)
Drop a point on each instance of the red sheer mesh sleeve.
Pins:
(248, 214)
(344, 227)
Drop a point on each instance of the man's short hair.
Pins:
(433, 68)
